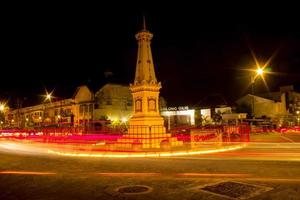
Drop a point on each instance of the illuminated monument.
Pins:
(145, 89)
(146, 126)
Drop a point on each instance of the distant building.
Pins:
(187, 116)
(73, 111)
(263, 107)
(292, 98)
(113, 102)
(178, 116)
(282, 107)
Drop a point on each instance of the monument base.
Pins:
(147, 137)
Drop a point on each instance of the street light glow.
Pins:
(1, 107)
(48, 96)
(260, 71)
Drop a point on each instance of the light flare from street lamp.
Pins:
(260, 71)
(1, 107)
(48, 96)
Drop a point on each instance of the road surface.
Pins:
(267, 164)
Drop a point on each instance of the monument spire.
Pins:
(145, 72)
(146, 125)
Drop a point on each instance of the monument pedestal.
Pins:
(147, 137)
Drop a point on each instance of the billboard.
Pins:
(201, 137)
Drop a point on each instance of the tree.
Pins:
(217, 117)
(198, 117)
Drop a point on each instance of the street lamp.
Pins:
(1, 110)
(3, 107)
(258, 72)
(48, 98)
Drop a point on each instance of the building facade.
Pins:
(263, 107)
(113, 102)
(74, 111)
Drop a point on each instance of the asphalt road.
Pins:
(272, 165)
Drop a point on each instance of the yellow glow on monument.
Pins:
(124, 120)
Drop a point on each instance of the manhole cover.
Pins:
(134, 189)
(234, 190)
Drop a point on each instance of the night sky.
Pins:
(199, 51)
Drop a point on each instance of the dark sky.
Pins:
(198, 50)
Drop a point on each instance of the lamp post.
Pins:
(258, 72)
(2, 107)
(48, 98)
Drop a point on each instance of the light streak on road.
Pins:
(27, 173)
(128, 174)
(147, 154)
(211, 175)
(27, 148)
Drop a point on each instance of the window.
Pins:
(91, 108)
(86, 108)
(138, 105)
(68, 111)
(152, 104)
(81, 109)
(108, 101)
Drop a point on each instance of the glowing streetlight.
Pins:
(260, 71)
(48, 97)
(1, 107)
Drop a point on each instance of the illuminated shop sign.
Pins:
(176, 108)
